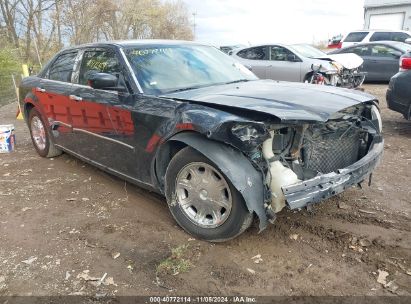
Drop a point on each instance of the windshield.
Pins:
(308, 51)
(166, 68)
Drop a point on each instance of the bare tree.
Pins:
(8, 13)
(51, 24)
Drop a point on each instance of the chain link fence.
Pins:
(7, 90)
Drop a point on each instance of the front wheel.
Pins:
(40, 136)
(202, 200)
(358, 80)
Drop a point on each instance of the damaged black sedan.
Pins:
(187, 121)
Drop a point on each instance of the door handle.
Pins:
(75, 98)
(41, 90)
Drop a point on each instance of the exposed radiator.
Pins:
(326, 150)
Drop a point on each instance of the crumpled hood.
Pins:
(348, 60)
(288, 101)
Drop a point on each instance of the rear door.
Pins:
(53, 93)
(280, 68)
(255, 58)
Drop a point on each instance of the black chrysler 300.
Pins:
(187, 121)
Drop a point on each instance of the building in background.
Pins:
(387, 14)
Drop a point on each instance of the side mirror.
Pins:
(408, 40)
(292, 58)
(103, 81)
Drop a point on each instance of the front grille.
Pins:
(327, 150)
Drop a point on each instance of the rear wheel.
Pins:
(202, 200)
(40, 136)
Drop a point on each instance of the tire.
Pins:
(308, 78)
(358, 81)
(233, 220)
(42, 140)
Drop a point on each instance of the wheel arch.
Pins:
(307, 75)
(234, 164)
(27, 108)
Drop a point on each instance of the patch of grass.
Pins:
(176, 263)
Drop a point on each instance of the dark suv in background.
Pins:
(399, 89)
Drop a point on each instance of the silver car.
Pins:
(286, 62)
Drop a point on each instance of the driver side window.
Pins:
(384, 51)
(360, 50)
(279, 53)
(100, 61)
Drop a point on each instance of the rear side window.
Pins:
(62, 68)
(379, 36)
(255, 53)
(99, 61)
(355, 37)
(389, 36)
(399, 36)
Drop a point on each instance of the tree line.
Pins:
(33, 30)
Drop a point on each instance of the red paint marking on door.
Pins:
(154, 140)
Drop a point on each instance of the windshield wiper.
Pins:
(237, 81)
(182, 89)
(207, 85)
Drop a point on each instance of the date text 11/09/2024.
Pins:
(203, 299)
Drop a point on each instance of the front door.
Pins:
(280, 68)
(102, 125)
(385, 62)
(256, 59)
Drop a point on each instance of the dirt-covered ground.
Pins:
(68, 228)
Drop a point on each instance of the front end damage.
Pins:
(307, 163)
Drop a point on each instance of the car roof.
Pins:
(258, 45)
(379, 30)
(383, 42)
(132, 43)
(389, 42)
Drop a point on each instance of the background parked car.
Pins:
(356, 37)
(227, 48)
(294, 62)
(281, 62)
(399, 89)
(334, 42)
(381, 59)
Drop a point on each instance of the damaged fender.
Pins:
(235, 165)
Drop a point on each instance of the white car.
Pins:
(294, 62)
(362, 36)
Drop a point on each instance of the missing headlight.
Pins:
(245, 132)
(250, 134)
(376, 116)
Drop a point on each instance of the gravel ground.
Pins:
(67, 228)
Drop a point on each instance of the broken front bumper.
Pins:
(324, 186)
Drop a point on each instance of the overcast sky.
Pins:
(224, 22)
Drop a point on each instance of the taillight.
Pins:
(339, 45)
(405, 63)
